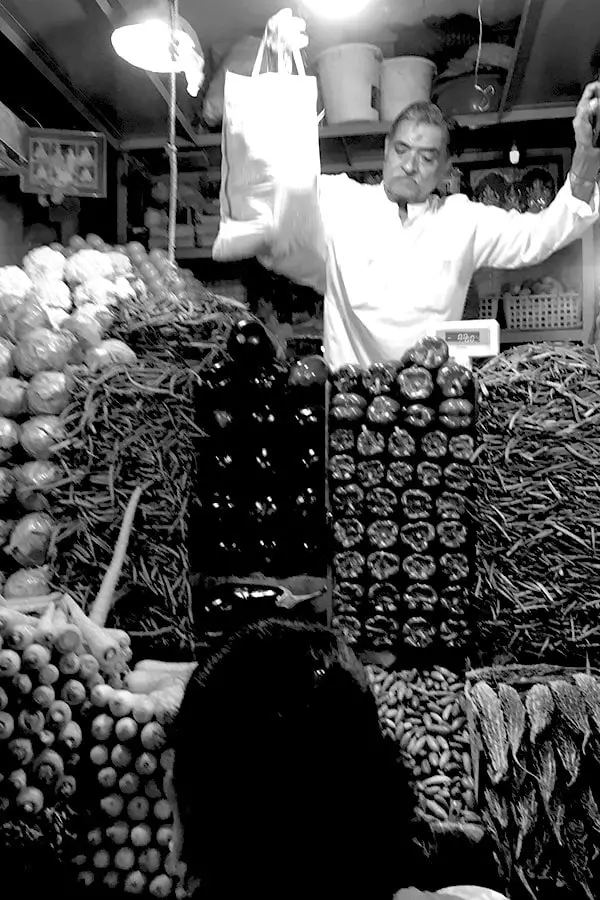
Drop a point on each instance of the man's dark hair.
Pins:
(426, 113)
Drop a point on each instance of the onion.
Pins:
(33, 479)
(13, 397)
(40, 434)
(27, 583)
(48, 393)
(6, 360)
(7, 484)
(9, 438)
(30, 539)
(42, 349)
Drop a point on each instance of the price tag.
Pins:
(471, 338)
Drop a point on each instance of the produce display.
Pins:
(262, 459)
(535, 733)
(401, 439)
(537, 505)
(425, 713)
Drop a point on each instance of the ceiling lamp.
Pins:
(143, 39)
(335, 9)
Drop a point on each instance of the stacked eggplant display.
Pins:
(261, 489)
(401, 438)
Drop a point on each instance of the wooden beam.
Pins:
(530, 19)
(20, 38)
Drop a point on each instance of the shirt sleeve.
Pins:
(299, 249)
(512, 240)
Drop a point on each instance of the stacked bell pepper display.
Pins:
(401, 438)
(262, 460)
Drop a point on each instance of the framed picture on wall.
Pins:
(70, 162)
(529, 186)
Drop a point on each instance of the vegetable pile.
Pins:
(262, 490)
(537, 505)
(535, 734)
(425, 713)
(400, 443)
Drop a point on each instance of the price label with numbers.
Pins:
(471, 338)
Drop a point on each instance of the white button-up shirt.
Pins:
(387, 283)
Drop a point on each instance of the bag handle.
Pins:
(282, 59)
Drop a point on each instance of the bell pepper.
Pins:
(458, 476)
(384, 598)
(341, 440)
(454, 380)
(383, 565)
(429, 474)
(430, 352)
(450, 505)
(456, 423)
(380, 632)
(370, 472)
(349, 565)
(434, 444)
(342, 467)
(419, 567)
(416, 504)
(379, 379)
(349, 627)
(348, 532)
(400, 474)
(420, 598)
(383, 534)
(418, 536)
(383, 411)
(452, 534)
(455, 598)
(418, 416)
(415, 383)
(348, 378)
(457, 406)
(455, 566)
(418, 633)
(348, 500)
(370, 443)
(401, 444)
(462, 447)
(382, 502)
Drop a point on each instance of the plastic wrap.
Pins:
(42, 349)
(40, 435)
(30, 539)
(33, 479)
(13, 397)
(48, 393)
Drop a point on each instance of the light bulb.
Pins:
(335, 9)
(514, 155)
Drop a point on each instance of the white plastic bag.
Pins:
(240, 59)
(270, 164)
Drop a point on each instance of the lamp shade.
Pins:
(143, 39)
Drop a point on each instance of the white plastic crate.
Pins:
(543, 311)
(488, 307)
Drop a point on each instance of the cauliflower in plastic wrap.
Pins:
(53, 293)
(99, 291)
(45, 264)
(124, 289)
(88, 265)
(57, 316)
(15, 284)
(122, 265)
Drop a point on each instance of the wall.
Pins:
(11, 223)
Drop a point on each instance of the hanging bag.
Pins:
(270, 163)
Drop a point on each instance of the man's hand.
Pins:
(586, 117)
(414, 894)
(286, 32)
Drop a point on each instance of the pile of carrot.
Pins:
(538, 505)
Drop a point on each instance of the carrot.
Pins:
(162, 810)
(10, 618)
(18, 779)
(67, 786)
(71, 735)
(86, 878)
(88, 666)
(32, 604)
(111, 880)
(35, 656)
(101, 859)
(120, 703)
(141, 835)
(161, 886)
(164, 835)
(43, 696)
(46, 738)
(126, 729)
(48, 674)
(30, 800)
(102, 727)
(68, 635)
(135, 883)
(107, 777)
(95, 837)
(31, 722)
(45, 630)
(69, 663)
(120, 636)
(21, 749)
(10, 663)
(120, 756)
(150, 860)
(100, 694)
(129, 783)
(143, 709)
(21, 636)
(124, 859)
(146, 764)
(73, 692)
(112, 805)
(153, 736)
(104, 600)
(118, 833)
(99, 755)
(22, 684)
(60, 713)
(48, 767)
(104, 648)
(3, 699)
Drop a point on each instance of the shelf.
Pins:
(194, 253)
(547, 335)
(363, 129)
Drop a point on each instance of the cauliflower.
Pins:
(121, 264)
(99, 291)
(124, 289)
(15, 284)
(88, 265)
(44, 263)
(57, 316)
(52, 294)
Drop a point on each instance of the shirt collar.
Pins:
(416, 210)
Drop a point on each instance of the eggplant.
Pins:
(222, 506)
(450, 505)
(458, 406)
(419, 567)
(370, 443)
(348, 500)
(455, 599)
(418, 536)
(418, 416)
(379, 379)
(341, 440)
(349, 565)
(309, 503)
(384, 599)
(249, 345)
(455, 567)
(383, 411)
(263, 463)
(400, 474)
(265, 509)
(348, 378)
(415, 383)
(416, 504)
(458, 476)
(434, 444)
(452, 534)
(418, 633)
(342, 467)
(383, 534)
(454, 380)
(381, 502)
(429, 474)
(430, 352)
(370, 472)
(309, 463)
(456, 423)
(348, 532)
(462, 447)
(307, 417)
(349, 627)
(383, 565)
(308, 372)
(420, 598)
(401, 445)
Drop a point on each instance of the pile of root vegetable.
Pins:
(535, 735)
(538, 505)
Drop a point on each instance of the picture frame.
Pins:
(528, 186)
(71, 163)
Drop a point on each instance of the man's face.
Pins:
(415, 161)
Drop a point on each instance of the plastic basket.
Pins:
(543, 311)
(488, 307)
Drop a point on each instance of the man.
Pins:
(393, 260)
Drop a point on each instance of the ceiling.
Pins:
(66, 73)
